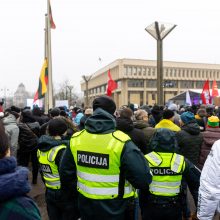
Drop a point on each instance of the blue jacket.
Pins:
(14, 204)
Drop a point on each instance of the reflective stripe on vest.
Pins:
(176, 163)
(154, 158)
(110, 191)
(167, 175)
(98, 178)
(48, 167)
(98, 158)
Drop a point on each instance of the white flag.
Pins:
(188, 99)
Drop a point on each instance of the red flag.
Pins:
(52, 24)
(214, 89)
(205, 96)
(112, 85)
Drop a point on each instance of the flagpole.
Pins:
(46, 107)
(49, 59)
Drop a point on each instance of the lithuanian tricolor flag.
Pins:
(43, 81)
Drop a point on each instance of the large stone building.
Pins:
(137, 80)
(20, 96)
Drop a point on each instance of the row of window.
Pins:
(171, 72)
(151, 83)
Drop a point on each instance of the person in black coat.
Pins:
(29, 132)
(190, 137)
(125, 124)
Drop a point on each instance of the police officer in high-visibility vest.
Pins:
(163, 198)
(105, 164)
(51, 149)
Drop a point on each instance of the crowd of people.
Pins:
(106, 163)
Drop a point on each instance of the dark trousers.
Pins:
(60, 208)
(162, 211)
(25, 157)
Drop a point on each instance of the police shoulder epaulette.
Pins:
(121, 136)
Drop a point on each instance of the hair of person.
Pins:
(57, 127)
(126, 113)
(4, 142)
(140, 114)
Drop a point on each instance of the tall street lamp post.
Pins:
(159, 31)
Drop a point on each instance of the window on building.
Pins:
(125, 70)
(153, 71)
(199, 84)
(151, 83)
(183, 72)
(144, 71)
(136, 83)
(217, 75)
(166, 72)
(129, 70)
(139, 71)
(186, 84)
(134, 71)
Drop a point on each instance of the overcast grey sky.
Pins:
(110, 29)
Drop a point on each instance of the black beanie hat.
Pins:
(57, 127)
(167, 114)
(105, 103)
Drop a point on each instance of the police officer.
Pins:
(105, 164)
(163, 198)
(51, 149)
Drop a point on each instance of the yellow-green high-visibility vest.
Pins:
(167, 169)
(98, 161)
(48, 167)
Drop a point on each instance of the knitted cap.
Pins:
(213, 122)
(105, 103)
(186, 117)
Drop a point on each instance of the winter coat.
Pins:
(27, 138)
(165, 123)
(14, 204)
(189, 141)
(133, 165)
(147, 130)
(136, 135)
(209, 137)
(77, 118)
(12, 131)
(209, 196)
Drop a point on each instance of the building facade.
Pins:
(20, 96)
(137, 80)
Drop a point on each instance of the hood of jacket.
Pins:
(191, 128)
(46, 142)
(164, 140)
(13, 179)
(165, 123)
(100, 122)
(10, 119)
(124, 124)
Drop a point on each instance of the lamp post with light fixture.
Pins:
(159, 31)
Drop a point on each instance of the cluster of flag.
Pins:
(206, 96)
